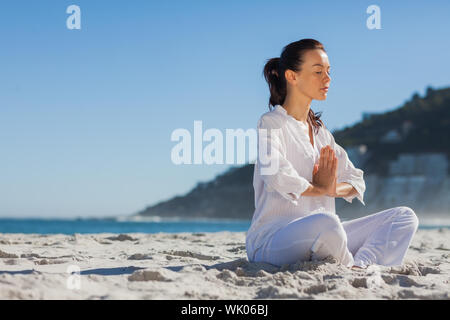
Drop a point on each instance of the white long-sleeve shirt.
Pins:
(278, 198)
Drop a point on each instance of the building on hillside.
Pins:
(407, 125)
(392, 136)
(427, 164)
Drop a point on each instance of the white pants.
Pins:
(381, 238)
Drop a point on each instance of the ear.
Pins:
(289, 75)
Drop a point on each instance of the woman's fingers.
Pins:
(322, 158)
(333, 162)
(316, 168)
(327, 158)
(335, 165)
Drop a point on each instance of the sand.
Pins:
(204, 266)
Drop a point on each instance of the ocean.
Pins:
(81, 225)
(71, 226)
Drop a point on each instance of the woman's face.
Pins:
(314, 75)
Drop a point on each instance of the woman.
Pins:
(299, 171)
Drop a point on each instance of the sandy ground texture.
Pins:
(204, 266)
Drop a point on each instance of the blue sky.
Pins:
(86, 115)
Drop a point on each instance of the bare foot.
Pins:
(357, 267)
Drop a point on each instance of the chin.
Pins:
(321, 97)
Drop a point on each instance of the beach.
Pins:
(204, 266)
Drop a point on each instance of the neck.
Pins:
(298, 106)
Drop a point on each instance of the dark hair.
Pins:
(291, 58)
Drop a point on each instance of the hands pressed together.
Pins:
(325, 173)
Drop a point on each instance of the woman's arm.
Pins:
(313, 191)
(344, 189)
(280, 175)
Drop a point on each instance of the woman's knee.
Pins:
(326, 220)
(331, 228)
(407, 211)
(332, 240)
(309, 226)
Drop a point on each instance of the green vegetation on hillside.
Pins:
(430, 130)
